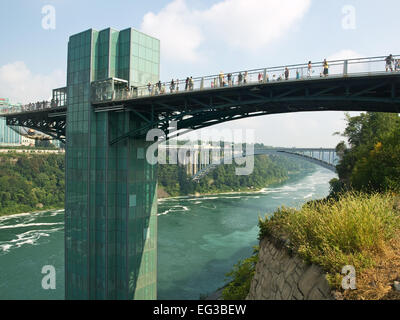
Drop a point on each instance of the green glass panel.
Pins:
(110, 239)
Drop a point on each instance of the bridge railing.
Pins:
(297, 72)
(37, 106)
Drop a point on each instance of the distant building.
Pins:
(9, 137)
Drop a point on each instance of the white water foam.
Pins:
(56, 213)
(26, 238)
(5, 247)
(177, 208)
(19, 215)
(25, 225)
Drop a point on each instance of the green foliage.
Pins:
(372, 163)
(240, 278)
(335, 233)
(267, 170)
(36, 181)
(29, 182)
(44, 144)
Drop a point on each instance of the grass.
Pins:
(358, 229)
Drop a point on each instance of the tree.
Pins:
(372, 162)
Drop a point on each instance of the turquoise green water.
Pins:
(199, 240)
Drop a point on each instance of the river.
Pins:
(199, 239)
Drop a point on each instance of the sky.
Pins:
(201, 38)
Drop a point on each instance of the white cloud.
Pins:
(244, 24)
(19, 84)
(180, 36)
(253, 24)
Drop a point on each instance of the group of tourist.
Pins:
(38, 106)
(220, 81)
(229, 80)
(264, 77)
(310, 71)
(160, 88)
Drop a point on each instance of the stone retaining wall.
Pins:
(282, 276)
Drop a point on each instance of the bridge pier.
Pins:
(111, 189)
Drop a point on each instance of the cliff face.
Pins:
(161, 193)
(282, 276)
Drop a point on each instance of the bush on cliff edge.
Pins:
(358, 230)
(240, 278)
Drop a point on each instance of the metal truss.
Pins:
(196, 110)
(54, 127)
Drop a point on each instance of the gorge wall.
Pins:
(282, 276)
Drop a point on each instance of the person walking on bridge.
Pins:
(309, 69)
(286, 73)
(389, 61)
(260, 77)
(397, 65)
(326, 68)
(191, 84)
(187, 84)
(229, 79)
(221, 79)
(240, 79)
(172, 86)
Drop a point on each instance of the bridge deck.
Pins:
(145, 100)
(353, 85)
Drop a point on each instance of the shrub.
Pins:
(336, 233)
(240, 278)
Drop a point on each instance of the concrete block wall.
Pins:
(282, 276)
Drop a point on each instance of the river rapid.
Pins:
(199, 239)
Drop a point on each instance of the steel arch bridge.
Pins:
(323, 157)
(201, 106)
(197, 110)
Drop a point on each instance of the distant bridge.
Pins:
(323, 157)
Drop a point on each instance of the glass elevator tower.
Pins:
(111, 190)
